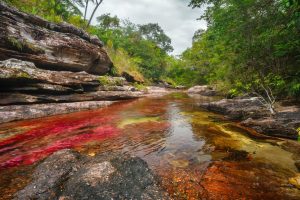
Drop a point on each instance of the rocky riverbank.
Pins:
(30, 92)
(69, 175)
(253, 114)
(49, 69)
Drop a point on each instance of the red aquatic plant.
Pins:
(31, 157)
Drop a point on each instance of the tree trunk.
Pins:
(95, 9)
(86, 7)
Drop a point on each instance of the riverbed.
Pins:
(196, 154)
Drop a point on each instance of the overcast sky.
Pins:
(174, 16)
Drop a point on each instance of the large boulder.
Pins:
(204, 90)
(71, 176)
(49, 45)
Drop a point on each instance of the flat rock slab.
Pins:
(70, 176)
(21, 112)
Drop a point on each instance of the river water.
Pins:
(196, 154)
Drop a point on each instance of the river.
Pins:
(196, 154)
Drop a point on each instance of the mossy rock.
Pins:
(111, 81)
(23, 46)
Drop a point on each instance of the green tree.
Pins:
(249, 39)
(155, 33)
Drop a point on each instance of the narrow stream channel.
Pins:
(197, 154)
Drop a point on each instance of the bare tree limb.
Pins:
(86, 7)
(94, 11)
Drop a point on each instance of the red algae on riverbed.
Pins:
(195, 153)
(71, 142)
(45, 136)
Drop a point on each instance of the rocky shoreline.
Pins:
(251, 113)
(30, 92)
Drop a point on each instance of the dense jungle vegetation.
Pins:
(249, 46)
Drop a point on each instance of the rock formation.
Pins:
(104, 176)
(29, 92)
(49, 45)
(50, 68)
(254, 115)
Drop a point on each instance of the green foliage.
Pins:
(52, 10)
(153, 32)
(15, 43)
(110, 81)
(253, 44)
(23, 45)
(147, 54)
(294, 88)
(140, 87)
(107, 22)
(104, 80)
(124, 63)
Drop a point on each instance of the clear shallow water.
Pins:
(197, 154)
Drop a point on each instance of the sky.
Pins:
(174, 16)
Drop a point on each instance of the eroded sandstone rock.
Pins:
(49, 45)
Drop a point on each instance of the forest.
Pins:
(250, 46)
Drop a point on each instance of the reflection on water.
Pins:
(197, 154)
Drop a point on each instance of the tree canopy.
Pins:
(249, 45)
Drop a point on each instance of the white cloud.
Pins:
(174, 16)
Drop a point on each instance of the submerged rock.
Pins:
(69, 175)
(50, 45)
(204, 90)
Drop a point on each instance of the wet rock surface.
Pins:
(49, 45)
(253, 114)
(69, 175)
